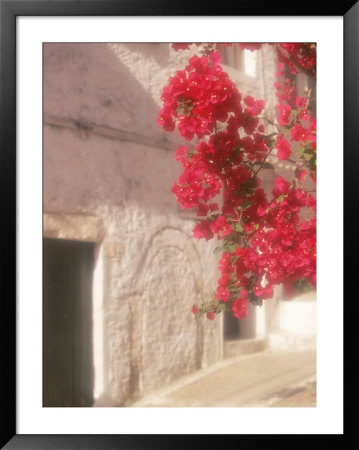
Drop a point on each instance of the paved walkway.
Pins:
(265, 379)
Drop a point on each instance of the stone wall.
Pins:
(108, 171)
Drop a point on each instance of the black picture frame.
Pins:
(9, 10)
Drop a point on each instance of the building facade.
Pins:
(121, 269)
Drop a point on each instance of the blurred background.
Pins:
(121, 269)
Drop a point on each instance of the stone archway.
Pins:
(171, 281)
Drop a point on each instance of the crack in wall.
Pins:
(87, 127)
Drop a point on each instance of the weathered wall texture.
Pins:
(107, 162)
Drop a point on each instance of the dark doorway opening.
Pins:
(239, 329)
(67, 323)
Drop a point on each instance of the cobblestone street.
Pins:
(265, 379)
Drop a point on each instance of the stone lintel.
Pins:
(77, 227)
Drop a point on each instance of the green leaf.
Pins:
(246, 204)
(234, 289)
(229, 246)
(307, 156)
(221, 307)
(198, 315)
(238, 227)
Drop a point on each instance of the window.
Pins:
(231, 56)
(243, 60)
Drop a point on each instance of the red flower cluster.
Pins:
(283, 147)
(298, 57)
(198, 183)
(265, 241)
(293, 112)
(197, 97)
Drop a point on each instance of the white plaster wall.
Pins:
(152, 270)
(293, 322)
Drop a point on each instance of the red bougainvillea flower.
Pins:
(239, 309)
(304, 114)
(224, 280)
(194, 310)
(300, 102)
(221, 227)
(224, 262)
(301, 175)
(284, 114)
(178, 46)
(222, 294)
(239, 306)
(281, 186)
(299, 133)
(283, 148)
(263, 292)
(254, 107)
(203, 230)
